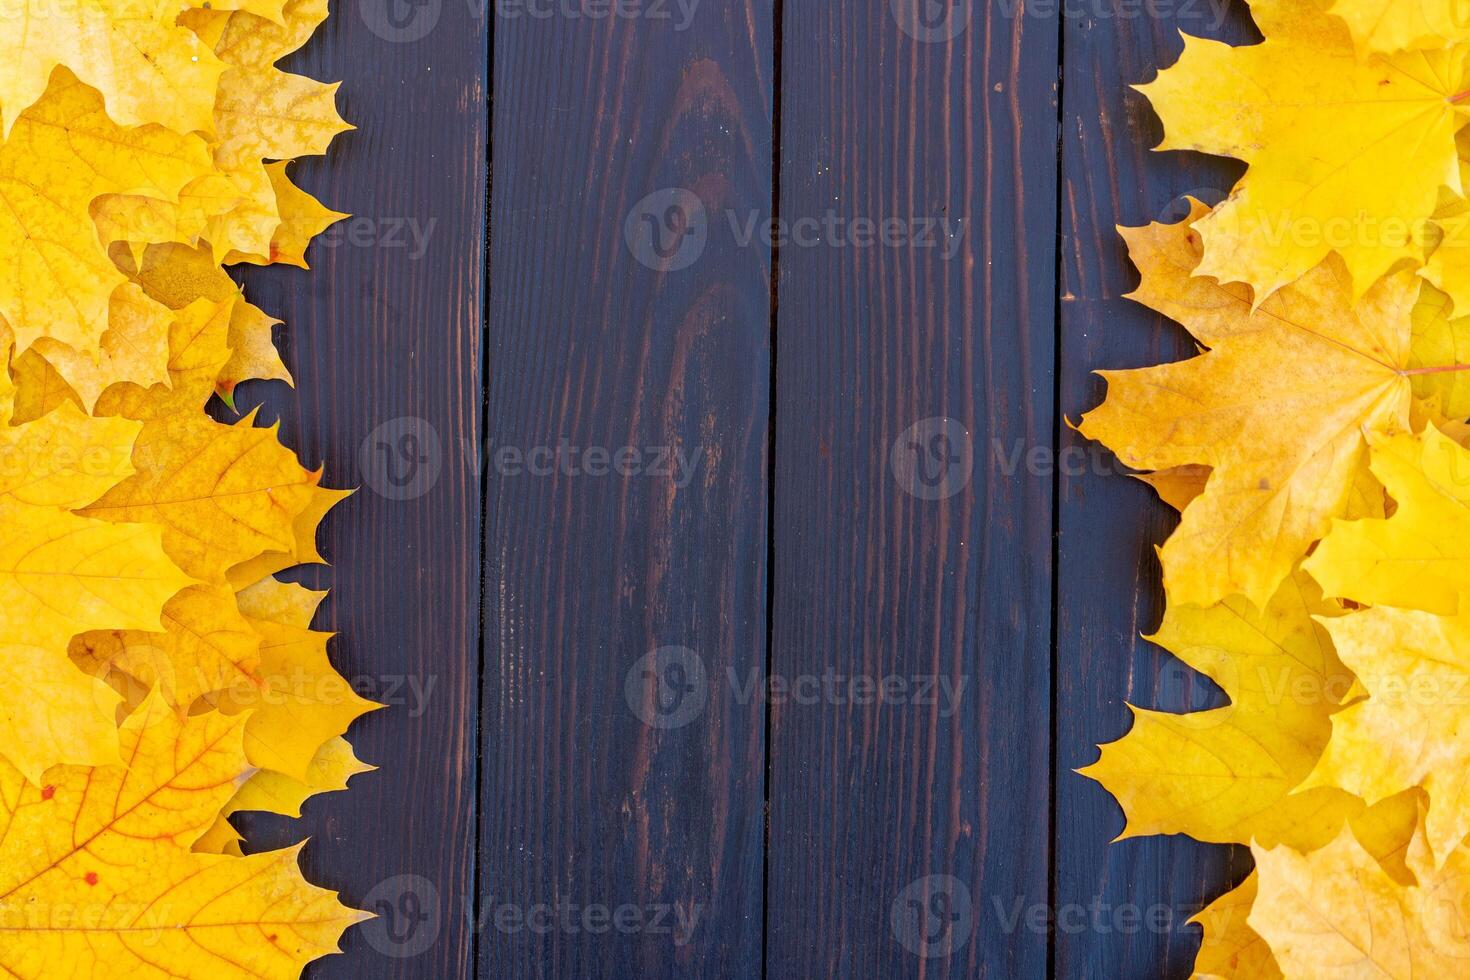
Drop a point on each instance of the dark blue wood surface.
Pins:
(708, 461)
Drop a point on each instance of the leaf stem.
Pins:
(1446, 369)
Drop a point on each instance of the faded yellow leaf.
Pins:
(1335, 914)
(1440, 339)
(303, 217)
(205, 646)
(1396, 25)
(262, 113)
(1231, 949)
(1277, 409)
(177, 276)
(273, 792)
(150, 69)
(1415, 667)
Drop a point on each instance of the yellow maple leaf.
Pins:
(63, 153)
(39, 388)
(304, 550)
(262, 113)
(61, 574)
(243, 37)
(1231, 949)
(1396, 25)
(205, 646)
(1346, 154)
(1336, 913)
(1419, 557)
(303, 217)
(177, 276)
(224, 494)
(1277, 409)
(272, 792)
(198, 336)
(1415, 668)
(1228, 775)
(150, 69)
(97, 876)
(1440, 338)
(298, 702)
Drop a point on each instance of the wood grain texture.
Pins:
(590, 797)
(1108, 578)
(871, 581)
(595, 344)
(380, 329)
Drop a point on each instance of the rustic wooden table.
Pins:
(646, 454)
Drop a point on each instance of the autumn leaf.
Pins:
(262, 113)
(178, 276)
(224, 494)
(61, 574)
(1346, 154)
(1440, 338)
(205, 646)
(1277, 409)
(272, 792)
(1388, 26)
(150, 69)
(62, 154)
(303, 217)
(1419, 557)
(97, 876)
(1228, 775)
(1336, 913)
(298, 702)
(1231, 949)
(1406, 733)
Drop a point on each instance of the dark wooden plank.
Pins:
(1108, 578)
(890, 111)
(388, 326)
(621, 835)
